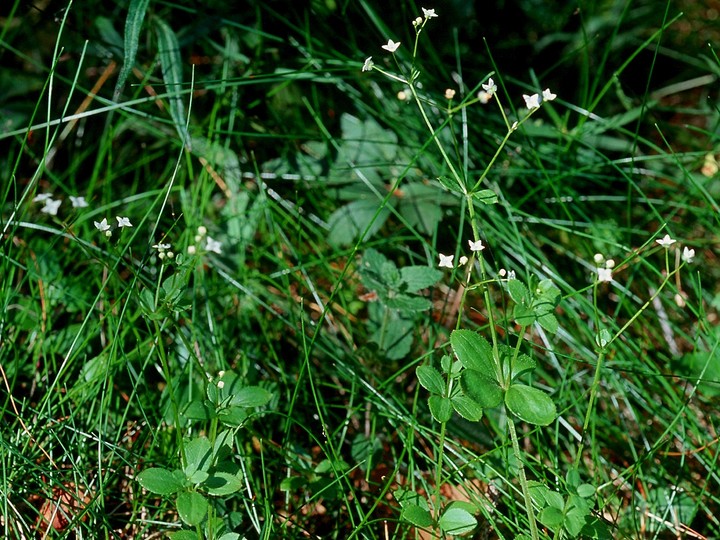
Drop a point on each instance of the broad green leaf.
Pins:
(551, 517)
(523, 363)
(596, 529)
(160, 481)
(233, 416)
(549, 322)
(586, 490)
(441, 408)
(572, 479)
(530, 404)
(192, 507)
(519, 292)
(224, 482)
(430, 379)
(480, 388)
(198, 452)
(419, 517)
(133, 25)
(457, 521)
(417, 278)
(396, 338)
(473, 351)
(404, 302)
(183, 535)
(251, 396)
(575, 519)
(230, 536)
(199, 410)
(171, 64)
(467, 408)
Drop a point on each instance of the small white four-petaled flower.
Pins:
(490, 87)
(688, 255)
(532, 102)
(78, 202)
(51, 207)
(604, 275)
(123, 221)
(391, 46)
(547, 95)
(213, 245)
(102, 226)
(368, 65)
(446, 261)
(429, 13)
(476, 246)
(666, 241)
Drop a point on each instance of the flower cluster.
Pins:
(51, 206)
(164, 251)
(687, 254)
(211, 245)
(104, 227)
(604, 268)
(446, 261)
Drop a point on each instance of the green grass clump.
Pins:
(266, 274)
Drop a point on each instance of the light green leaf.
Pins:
(530, 404)
(485, 196)
(416, 278)
(192, 507)
(430, 379)
(457, 521)
(473, 351)
(523, 363)
(198, 452)
(551, 517)
(182, 535)
(467, 408)
(441, 408)
(348, 222)
(160, 481)
(251, 396)
(419, 517)
(480, 388)
(227, 479)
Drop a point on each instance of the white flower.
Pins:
(368, 65)
(598, 258)
(162, 247)
(51, 207)
(42, 197)
(511, 275)
(446, 261)
(610, 263)
(192, 250)
(463, 260)
(391, 46)
(666, 241)
(548, 95)
(429, 13)
(476, 246)
(514, 126)
(102, 226)
(78, 202)
(532, 102)
(490, 87)
(213, 245)
(604, 275)
(417, 22)
(123, 221)
(688, 255)
(202, 230)
(449, 93)
(484, 97)
(502, 272)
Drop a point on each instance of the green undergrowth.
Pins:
(262, 278)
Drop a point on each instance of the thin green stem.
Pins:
(523, 480)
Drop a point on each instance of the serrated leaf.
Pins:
(473, 351)
(160, 481)
(549, 322)
(457, 521)
(171, 66)
(530, 404)
(348, 222)
(419, 517)
(467, 408)
(441, 408)
(480, 388)
(404, 302)
(430, 379)
(417, 278)
(192, 507)
(519, 292)
(523, 363)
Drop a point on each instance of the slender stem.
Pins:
(523, 481)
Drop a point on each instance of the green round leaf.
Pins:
(192, 507)
(413, 514)
(457, 521)
(430, 379)
(160, 481)
(441, 408)
(482, 390)
(586, 490)
(530, 404)
(467, 408)
(251, 396)
(473, 351)
(551, 517)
